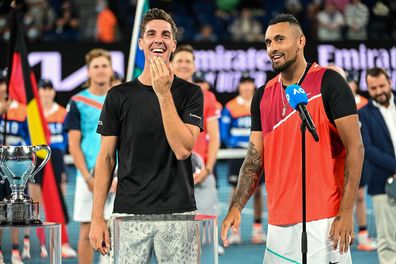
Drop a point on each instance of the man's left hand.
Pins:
(341, 231)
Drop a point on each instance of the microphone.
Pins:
(297, 98)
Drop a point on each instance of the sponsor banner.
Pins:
(223, 63)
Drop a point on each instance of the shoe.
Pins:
(68, 251)
(1, 257)
(16, 257)
(258, 236)
(235, 238)
(220, 250)
(26, 249)
(366, 243)
(43, 252)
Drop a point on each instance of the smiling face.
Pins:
(379, 88)
(285, 43)
(157, 40)
(183, 65)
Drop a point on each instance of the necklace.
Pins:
(284, 109)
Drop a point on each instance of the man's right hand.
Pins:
(233, 219)
(99, 236)
(90, 183)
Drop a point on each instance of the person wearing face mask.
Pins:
(152, 123)
(378, 126)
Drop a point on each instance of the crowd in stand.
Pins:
(204, 20)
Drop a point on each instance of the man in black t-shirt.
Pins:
(153, 123)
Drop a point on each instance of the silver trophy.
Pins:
(17, 165)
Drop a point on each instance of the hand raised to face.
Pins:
(161, 76)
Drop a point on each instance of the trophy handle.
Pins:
(38, 148)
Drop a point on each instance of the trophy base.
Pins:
(19, 213)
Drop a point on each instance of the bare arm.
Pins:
(181, 137)
(104, 168)
(105, 163)
(249, 173)
(212, 129)
(248, 179)
(214, 142)
(342, 228)
(78, 156)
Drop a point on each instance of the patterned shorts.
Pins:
(168, 240)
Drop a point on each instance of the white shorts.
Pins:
(83, 200)
(284, 244)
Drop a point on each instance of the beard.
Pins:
(282, 67)
(383, 99)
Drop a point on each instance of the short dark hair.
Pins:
(377, 71)
(186, 48)
(157, 14)
(45, 84)
(289, 18)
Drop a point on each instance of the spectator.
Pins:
(330, 23)
(206, 34)
(67, 24)
(106, 23)
(357, 18)
(246, 28)
(39, 19)
(380, 21)
(378, 126)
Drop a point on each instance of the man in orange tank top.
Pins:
(333, 165)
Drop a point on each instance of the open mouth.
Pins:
(158, 51)
(276, 57)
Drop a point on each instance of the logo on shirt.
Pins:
(198, 117)
(100, 123)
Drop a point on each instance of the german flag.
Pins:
(22, 87)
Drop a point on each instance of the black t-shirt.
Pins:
(150, 178)
(338, 99)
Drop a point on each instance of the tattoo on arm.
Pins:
(248, 178)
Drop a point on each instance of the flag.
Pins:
(136, 56)
(22, 87)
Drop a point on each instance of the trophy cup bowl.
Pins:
(17, 166)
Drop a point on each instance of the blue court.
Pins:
(246, 253)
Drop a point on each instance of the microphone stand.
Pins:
(304, 238)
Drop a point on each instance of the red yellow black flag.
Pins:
(22, 87)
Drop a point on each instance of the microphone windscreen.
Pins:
(296, 95)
